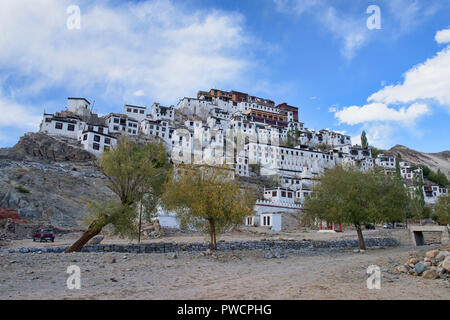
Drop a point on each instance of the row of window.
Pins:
(130, 110)
(59, 126)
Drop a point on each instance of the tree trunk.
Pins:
(94, 229)
(362, 245)
(212, 231)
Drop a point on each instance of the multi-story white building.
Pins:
(385, 161)
(409, 173)
(160, 112)
(136, 113)
(432, 193)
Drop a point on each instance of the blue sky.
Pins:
(319, 55)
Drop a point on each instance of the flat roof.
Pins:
(71, 98)
(130, 105)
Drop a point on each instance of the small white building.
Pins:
(385, 161)
(432, 193)
(79, 106)
(160, 112)
(136, 113)
(96, 142)
(68, 126)
(121, 123)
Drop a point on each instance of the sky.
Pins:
(382, 66)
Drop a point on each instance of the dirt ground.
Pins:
(319, 274)
(401, 235)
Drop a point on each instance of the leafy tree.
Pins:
(426, 171)
(290, 143)
(442, 209)
(416, 205)
(375, 152)
(134, 173)
(207, 198)
(439, 178)
(364, 142)
(324, 147)
(347, 195)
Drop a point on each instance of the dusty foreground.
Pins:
(319, 274)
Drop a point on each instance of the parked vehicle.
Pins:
(370, 226)
(44, 235)
(387, 226)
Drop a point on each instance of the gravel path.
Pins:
(320, 274)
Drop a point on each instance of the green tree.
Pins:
(291, 140)
(347, 195)
(416, 205)
(207, 198)
(133, 173)
(442, 209)
(364, 142)
(439, 178)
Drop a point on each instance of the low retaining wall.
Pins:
(222, 246)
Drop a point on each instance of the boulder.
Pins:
(403, 268)
(97, 239)
(441, 256)
(430, 274)
(412, 261)
(420, 267)
(446, 264)
(431, 254)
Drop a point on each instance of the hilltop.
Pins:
(434, 161)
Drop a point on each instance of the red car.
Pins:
(44, 235)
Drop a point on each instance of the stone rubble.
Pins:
(435, 265)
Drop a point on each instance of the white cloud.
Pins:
(155, 46)
(398, 17)
(443, 36)
(139, 93)
(380, 112)
(428, 80)
(18, 116)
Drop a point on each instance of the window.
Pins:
(274, 193)
(96, 146)
(100, 129)
(141, 111)
(71, 127)
(116, 127)
(116, 120)
(59, 125)
(129, 110)
(85, 137)
(107, 140)
(48, 119)
(283, 194)
(97, 138)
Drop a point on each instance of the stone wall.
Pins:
(167, 247)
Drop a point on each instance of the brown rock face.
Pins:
(39, 146)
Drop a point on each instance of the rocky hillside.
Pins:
(41, 147)
(434, 161)
(49, 180)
